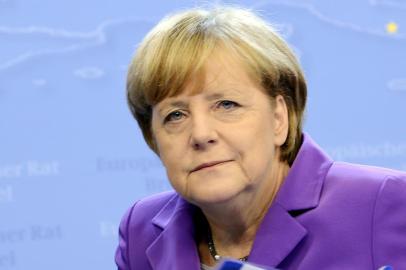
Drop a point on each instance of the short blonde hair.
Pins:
(176, 49)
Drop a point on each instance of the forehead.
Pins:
(221, 73)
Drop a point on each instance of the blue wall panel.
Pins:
(72, 159)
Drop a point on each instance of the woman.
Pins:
(220, 98)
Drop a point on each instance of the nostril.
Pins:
(199, 145)
(196, 146)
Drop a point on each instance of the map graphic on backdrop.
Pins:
(72, 159)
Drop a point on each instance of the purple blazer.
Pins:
(326, 215)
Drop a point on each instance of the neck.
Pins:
(234, 223)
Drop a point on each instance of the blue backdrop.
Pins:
(72, 159)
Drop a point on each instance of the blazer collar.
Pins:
(175, 247)
(302, 187)
(279, 232)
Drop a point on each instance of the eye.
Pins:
(174, 116)
(227, 104)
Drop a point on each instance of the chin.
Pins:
(213, 194)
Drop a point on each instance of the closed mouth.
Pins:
(208, 164)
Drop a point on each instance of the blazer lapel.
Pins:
(175, 247)
(277, 236)
(280, 231)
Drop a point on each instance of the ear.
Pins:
(281, 120)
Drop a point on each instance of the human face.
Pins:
(221, 142)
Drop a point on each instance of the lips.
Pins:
(208, 164)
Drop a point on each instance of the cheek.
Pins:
(255, 149)
(175, 172)
(254, 137)
(170, 157)
(171, 152)
(167, 144)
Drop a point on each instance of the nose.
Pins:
(203, 133)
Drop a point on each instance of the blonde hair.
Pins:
(176, 49)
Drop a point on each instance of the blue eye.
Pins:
(173, 116)
(227, 104)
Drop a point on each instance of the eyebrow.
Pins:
(175, 103)
(214, 96)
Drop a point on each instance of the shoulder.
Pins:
(389, 223)
(137, 231)
(360, 185)
(360, 172)
(357, 177)
(376, 198)
(357, 192)
(146, 209)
